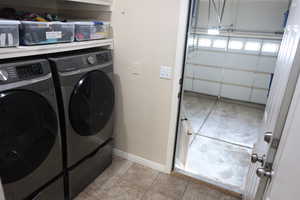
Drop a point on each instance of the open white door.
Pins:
(282, 90)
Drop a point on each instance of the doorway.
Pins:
(230, 62)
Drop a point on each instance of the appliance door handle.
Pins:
(37, 196)
(2, 197)
(10, 86)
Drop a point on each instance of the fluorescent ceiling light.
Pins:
(252, 46)
(234, 44)
(213, 31)
(204, 42)
(270, 48)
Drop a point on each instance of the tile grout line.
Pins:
(149, 189)
(119, 176)
(185, 189)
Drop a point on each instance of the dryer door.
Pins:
(28, 131)
(91, 104)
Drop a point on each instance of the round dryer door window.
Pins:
(91, 104)
(28, 131)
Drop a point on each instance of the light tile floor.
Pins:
(125, 180)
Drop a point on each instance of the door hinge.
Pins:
(181, 81)
(268, 166)
(179, 95)
(275, 143)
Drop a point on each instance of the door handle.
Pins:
(263, 173)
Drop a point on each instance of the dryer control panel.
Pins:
(75, 62)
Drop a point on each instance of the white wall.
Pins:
(145, 34)
(254, 15)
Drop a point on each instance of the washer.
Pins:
(85, 86)
(30, 144)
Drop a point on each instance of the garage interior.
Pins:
(230, 62)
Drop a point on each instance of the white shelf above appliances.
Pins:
(22, 51)
(95, 2)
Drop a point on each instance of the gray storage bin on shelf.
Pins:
(35, 33)
(9, 33)
(91, 30)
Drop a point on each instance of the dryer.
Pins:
(30, 143)
(85, 86)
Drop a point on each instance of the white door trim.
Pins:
(180, 47)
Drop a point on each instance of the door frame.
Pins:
(177, 83)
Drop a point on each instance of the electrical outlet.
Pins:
(165, 72)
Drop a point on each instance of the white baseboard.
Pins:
(140, 160)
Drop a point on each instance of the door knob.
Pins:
(256, 158)
(268, 137)
(263, 173)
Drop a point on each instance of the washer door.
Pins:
(28, 131)
(91, 104)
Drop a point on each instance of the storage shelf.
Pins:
(22, 51)
(95, 2)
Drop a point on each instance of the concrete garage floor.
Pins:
(224, 132)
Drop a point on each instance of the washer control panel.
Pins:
(28, 71)
(75, 62)
(3, 75)
(12, 72)
(7, 74)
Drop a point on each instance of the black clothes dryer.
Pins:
(85, 87)
(30, 143)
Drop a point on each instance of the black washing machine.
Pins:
(30, 143)
(85, 86)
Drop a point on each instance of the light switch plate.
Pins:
(165, 72)
(136, 68)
